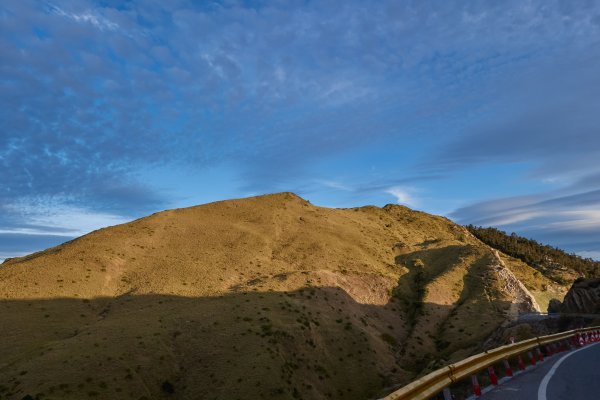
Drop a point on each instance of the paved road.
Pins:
(565, 376)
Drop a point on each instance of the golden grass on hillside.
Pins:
(265, 297)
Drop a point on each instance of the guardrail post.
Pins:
(493, 376)
(475, 385)
(531, 358)
(507, 368)
(447, 394)
(521, 363)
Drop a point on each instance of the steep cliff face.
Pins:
(583, 297)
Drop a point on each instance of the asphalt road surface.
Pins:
(565, 376)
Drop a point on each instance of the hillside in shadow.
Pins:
(316, 343)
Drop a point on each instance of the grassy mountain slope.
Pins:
(265, 297)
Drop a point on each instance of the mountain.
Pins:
(265, 297)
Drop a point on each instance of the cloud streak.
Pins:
(85, 17)
(403, 196)
(569, 220)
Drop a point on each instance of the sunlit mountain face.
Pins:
(260, 298)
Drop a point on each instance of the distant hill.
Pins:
(267, 297)
(551, 261)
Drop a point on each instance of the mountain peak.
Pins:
(235, 299)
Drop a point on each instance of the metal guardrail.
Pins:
(435, 382)
(535, 316)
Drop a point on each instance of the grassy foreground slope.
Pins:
(264, 297)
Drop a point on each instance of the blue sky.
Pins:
(487, 112)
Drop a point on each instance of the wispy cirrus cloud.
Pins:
(87, 16)
(571, 220)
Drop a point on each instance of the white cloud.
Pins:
(343, 91)
(52, 218)
(90, 17)
(403, 195)
(566, 218)
(39, 222)
(590, 254)
(38, 232)
(334, 185)
(515, 217)
(579, 220)
(78, 220)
